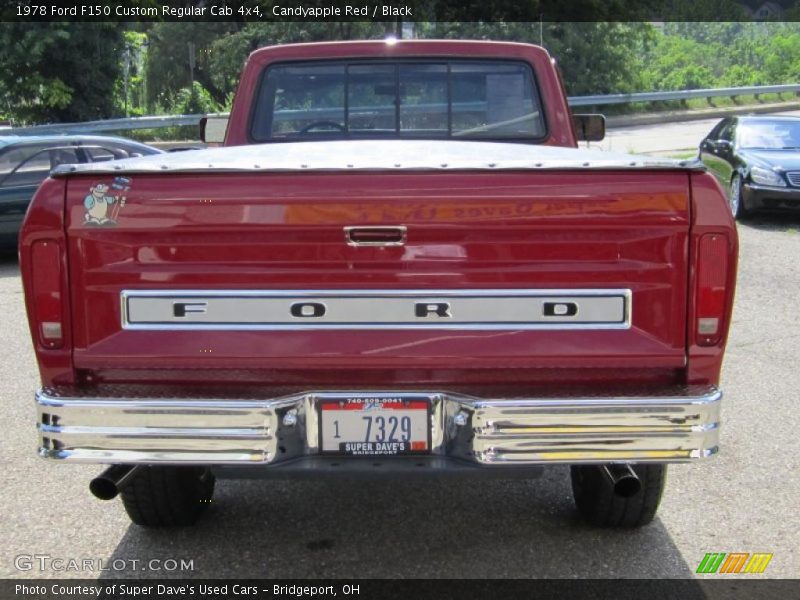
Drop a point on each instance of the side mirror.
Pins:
(723, 144)
(589, 128)
(212, 129)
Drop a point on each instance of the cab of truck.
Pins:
(416, 89)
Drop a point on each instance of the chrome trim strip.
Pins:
(390, 321)
(677, 427)
(583, 430)
(368, 156)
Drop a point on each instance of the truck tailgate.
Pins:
(205, 272)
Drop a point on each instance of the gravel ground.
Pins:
(745, 500)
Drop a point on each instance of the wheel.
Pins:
(738, 209)
(630, 505)
(168, 496)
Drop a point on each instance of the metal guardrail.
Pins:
(681, 95)
(126, 124)
(183, 120)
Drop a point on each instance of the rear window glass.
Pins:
(29, 165)
(458, 99)
(24, 158)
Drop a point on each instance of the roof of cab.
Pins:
(394, 47)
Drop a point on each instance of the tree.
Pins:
(58, 71)
(194, 100)
(782, 58)
(130, 90)
(740, 76)
(701, 55)
(168, 59)
(678, 63)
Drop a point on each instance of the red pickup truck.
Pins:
(401, 264)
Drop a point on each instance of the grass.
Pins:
(682, 155)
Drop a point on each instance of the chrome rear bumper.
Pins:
(678, 426)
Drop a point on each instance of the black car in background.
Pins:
(757, 158)
(25, 161)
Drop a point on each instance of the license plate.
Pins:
(375, 425)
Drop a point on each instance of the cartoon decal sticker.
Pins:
(102, 208)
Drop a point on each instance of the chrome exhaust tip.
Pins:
(108, 484)
(623, 480)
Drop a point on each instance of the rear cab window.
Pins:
(434, 99)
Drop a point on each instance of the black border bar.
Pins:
(739, 587)
(392, 11)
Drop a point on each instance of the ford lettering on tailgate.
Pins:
(377, 309)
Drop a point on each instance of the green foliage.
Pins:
(129, 90)
(168, 58)
(709, 55)
(690, 77)
(781, 58)
(740, 76)
(193, 100)
(587, 71)
(58, 72)
(80, 71)
(675, 62)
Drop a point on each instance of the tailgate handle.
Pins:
(375, 236)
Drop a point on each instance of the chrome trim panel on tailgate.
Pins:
(376, 309)
(678, 426)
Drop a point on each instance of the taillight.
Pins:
(48, 298)
(712, 278)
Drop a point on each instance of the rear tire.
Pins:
(600, 506)
(168, 496)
